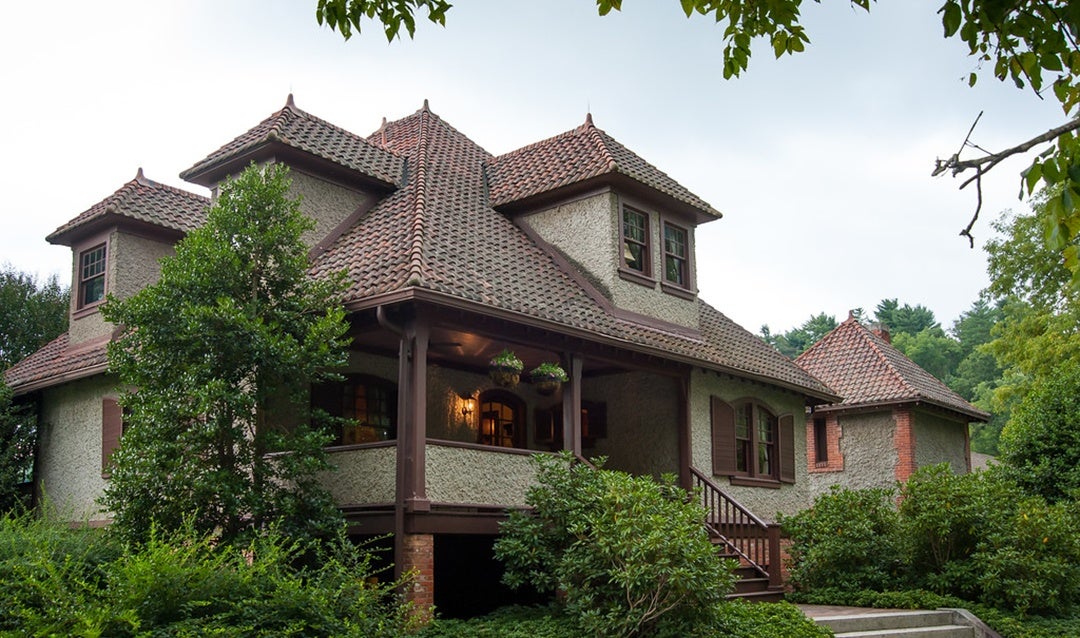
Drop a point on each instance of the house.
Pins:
(573, 249)
(894, 418)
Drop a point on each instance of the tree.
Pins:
(31, 313)
(904, 319)
(217, 359)
(18, 434)
(1032, 43)
(796, 341)
(1041, 443)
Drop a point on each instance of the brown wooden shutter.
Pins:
(787, 448)
(112, 426)
(723, 438)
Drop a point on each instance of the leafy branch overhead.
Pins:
(1033, 43)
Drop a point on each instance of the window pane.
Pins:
(633, 256)
(742, 422)
(634, 225)
(765, 453)
(93, 290)
(675, 241)
(742, 453)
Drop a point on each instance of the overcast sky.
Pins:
(820, 163)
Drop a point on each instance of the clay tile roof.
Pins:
(575, 156)
(440, 233)
(55, 361)
(141, 200)
(865, 369)
(300, 130)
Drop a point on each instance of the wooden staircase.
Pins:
(740, 535)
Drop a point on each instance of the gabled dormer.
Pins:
(626, 225)
(116, 245)
(339, 175)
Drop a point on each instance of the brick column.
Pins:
(418, 558)
(904, 442)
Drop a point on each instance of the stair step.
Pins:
(886, 620)
(765, 596)
(940, 631)
(747, 585)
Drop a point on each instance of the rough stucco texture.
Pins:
(325, 202)
(940, 440)
(587, 230)
(459, 475)
(763, 501)
(870, 458)
(132, 264)
(642, 422)
(69, 462)
(362, 476)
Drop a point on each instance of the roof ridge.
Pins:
(869, 337)
(418, 226)
(577, 130)
(598, 136)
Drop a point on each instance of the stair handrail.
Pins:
(757, 544)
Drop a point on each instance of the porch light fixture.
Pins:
(466, 406)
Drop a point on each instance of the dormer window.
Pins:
(636, 240)
(92, 276)
(676, 256)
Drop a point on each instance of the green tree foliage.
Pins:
(631, 554)
(219, 356)
(18, 434)
(1041, 443)
(796, 341)
(906, 319)
(31, 314)
(976, 536)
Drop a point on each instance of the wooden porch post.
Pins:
(571, 406)
(412, 432)
(686, 458)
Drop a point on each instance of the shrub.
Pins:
(631, 554)
(847, 539)
(1041, 442)
(508, 622)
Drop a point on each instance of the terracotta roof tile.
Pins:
(146, 201)
(56, 360)
(865, 369)
(575, 156)
(300, 130)
(440, 232)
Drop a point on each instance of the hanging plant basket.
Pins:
(505, 369)
(547, 377)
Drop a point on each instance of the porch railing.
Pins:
(755, 542)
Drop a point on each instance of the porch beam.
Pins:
(571, 405)
(416, 499)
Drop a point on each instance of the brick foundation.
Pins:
(418, 558)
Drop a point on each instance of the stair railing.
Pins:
(743, 534)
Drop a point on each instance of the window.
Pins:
(676, 256)
(750, 441)
(367, 404)
(821, 441)
(501, 419)
(92, 276)
(636, 240)
(549, 425)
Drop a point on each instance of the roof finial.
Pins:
(426, 107)
(289, 103)
(850, 315)
(140, 178)
(588, 118)
(382, 131)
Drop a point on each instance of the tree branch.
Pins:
(957, 166)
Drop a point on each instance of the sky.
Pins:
(819, 162)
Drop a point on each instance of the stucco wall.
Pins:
(940, 440)
(642, 421)
(325, 202)
(367, 475)
(459, 475)
(765, 502)
(869, 451)
(587, 230)
(132, 263)
(69, 461)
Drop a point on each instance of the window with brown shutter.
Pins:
(751, 444)
(112, 427)
(723, 438)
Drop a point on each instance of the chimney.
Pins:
(880, 330)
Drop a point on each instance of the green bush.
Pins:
(764, 620)
(848, 539)
(508, 622)
(631, 554)
(61, 581)
(1040, 444)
